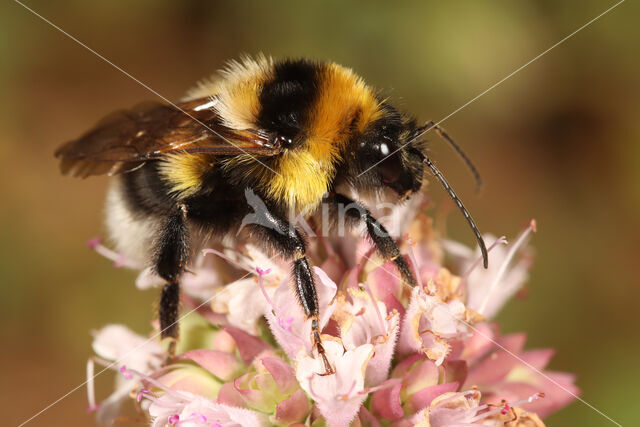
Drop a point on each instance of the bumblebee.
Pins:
(293, 132)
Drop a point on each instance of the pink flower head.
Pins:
(172, 407)
(288, 323)
(419, 383)
(187, 409)
(465, 409)
(365, 321)
(402, 357)
(489, 289)
(243, 301)
(270, 386)
(502, 370)
(116, 345)
(338, 396)
(430, 324)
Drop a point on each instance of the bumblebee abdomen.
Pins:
(144, 190)
(130, 225)
(138, 202)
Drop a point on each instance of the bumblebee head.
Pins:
(392, 155)
(384, 157)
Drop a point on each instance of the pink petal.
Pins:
(554, 398)
(422, 374)
(334, 267)
(455, 350)
(422, 398)
(480, 343)
(351, 278)
(201, 283)
(117, 342)
(191, 379)
(248, 345)
(206, 312)
(513, 342)
(455, 370)
(539, 358)
(287, 333)
(326, 293)
(497, 365)
(264, 383)
(219, 414)
(403, 367)
(223, 341)
(378, 367)
(384, 281)
(221, 364)
(287, 321)
(293, 409)
(386, 403)
(429, 272)
(429, 323)
(332, 328)
(351, 248)
(228, 395)
(338, 396)
(367, 419)
(282, 373)
(392, 303)
(253, 398)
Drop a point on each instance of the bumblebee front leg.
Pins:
(172, 249)
(287, 240)
(385, 245)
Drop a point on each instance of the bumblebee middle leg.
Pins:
(286, 239)
(385, 245)
(172, 249)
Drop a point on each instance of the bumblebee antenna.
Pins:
(465, 212)
(444, 135)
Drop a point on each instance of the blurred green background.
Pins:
(557, 142)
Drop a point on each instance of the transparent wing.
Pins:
(126, 139)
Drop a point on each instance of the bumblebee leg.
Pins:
(385, 245)
(171, 257)
(287, 240)
(168, 309)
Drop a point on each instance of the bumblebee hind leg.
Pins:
(172, 251)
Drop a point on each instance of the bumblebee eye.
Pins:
(390, 168)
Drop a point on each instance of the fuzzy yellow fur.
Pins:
(237, 91)
(342, 94)
(183, 172)
(304, 174)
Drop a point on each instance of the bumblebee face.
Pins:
(396, 164)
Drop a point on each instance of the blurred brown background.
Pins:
(557, 142)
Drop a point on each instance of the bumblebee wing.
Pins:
(124, 140)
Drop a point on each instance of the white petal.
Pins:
(118, 343)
